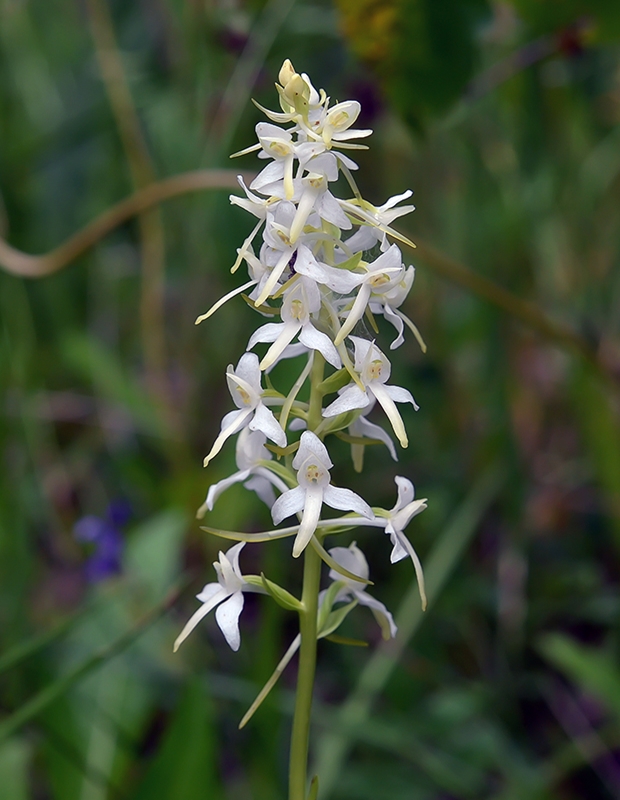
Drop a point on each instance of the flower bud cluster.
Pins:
(321, 268)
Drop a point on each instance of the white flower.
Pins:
(374, 370)
(353, 560)
(397, 520)
(299, 302)
(229, 588)
(244, 384)
(377, 221)
(382, 275)
(313, 463)
(250, 451)
(388, 302)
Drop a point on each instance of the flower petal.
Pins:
(352, 397)
(227, 617)
(346, 500)
(400, 395)
(387, 403)
(231, 424)
(406, 492)
(216, 489)
(315, 340)
(381, 614)
(289, 503)
(265, 421)
(266, 333)
(311, 445)
(216, 597)
(312, 511)
(372, 431)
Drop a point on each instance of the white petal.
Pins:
(346, 500)
(329, 210)
(406, 492)
(266, 333)
(311, 445)
(379, 391)
(352, 397)
(272, 172)
(263, 489)
(353, 560)
(287, 504)
(231, 424)
(287, 334)
(315, 340)
(379, 610)
(216, 597)
(227, 617)
(312, 511)
(265, 421)
(338, 280)
(248, 370)
(373, 431)
(355, 314)
(400, 395)
(217, 488)
(405, 544)
(398, 323)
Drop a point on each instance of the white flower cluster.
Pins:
(314, 275)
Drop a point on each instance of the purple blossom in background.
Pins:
(105, 535)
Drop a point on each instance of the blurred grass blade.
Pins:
(314, 788)
(53, 691)
(593, 670)
(23, 650)
(335, 746)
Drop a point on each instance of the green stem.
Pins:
(298, 778)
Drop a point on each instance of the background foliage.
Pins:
(505, 120)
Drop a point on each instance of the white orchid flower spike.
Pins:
(353, 560)
(313, 463)
(250, 451)
(244, 384)
(374, 370)
(226, 594)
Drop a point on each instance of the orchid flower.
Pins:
(353, 560)
(374, 371)
(376, 221)
(226, 594)
(250, 451)
(313, 463)
(398, 518)
(383, 274)
(244, 384)
(300, 302)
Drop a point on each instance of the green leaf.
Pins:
(333, 637)
(185, 766)
(281, 596)
(153, 553)
(14, 761)
(335, 381)
(328, 602)
(335, 619)
(314, 788)
(594, 670)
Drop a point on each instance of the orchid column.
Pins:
(325, 268)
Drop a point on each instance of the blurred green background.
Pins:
(504, 117)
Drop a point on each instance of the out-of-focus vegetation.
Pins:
(505, 120)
